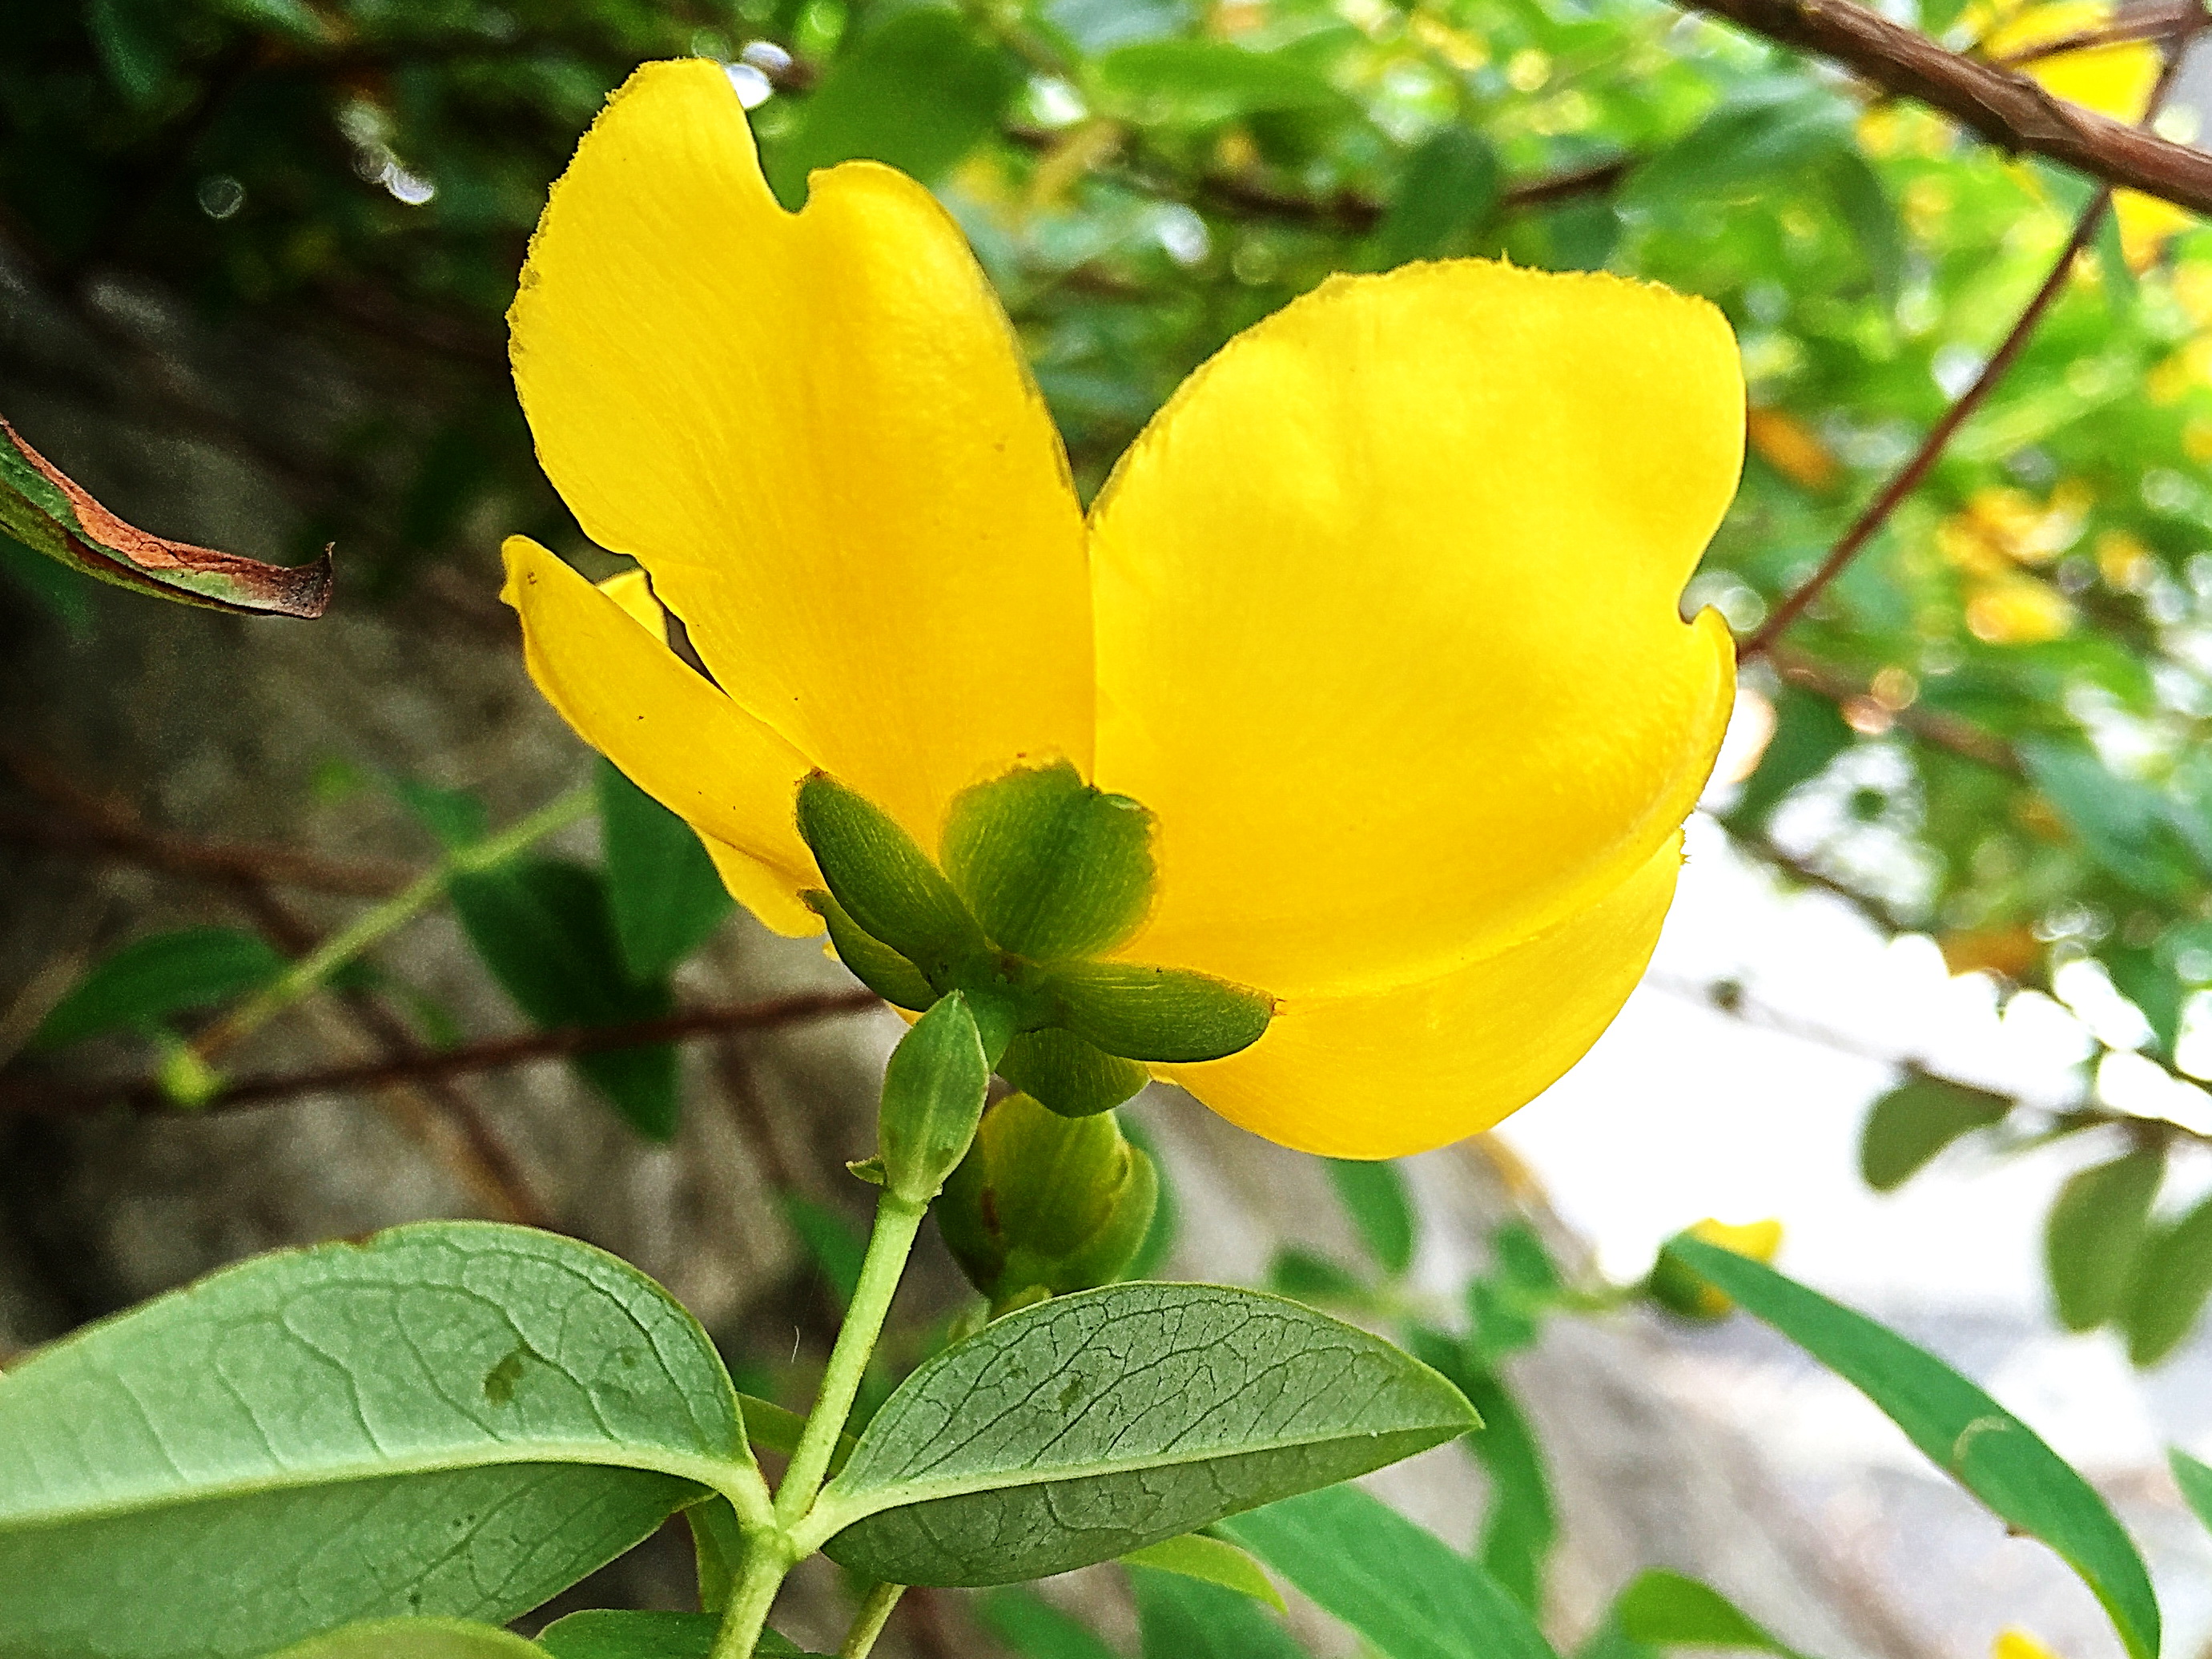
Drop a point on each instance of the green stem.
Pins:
(765, 1566)
(897, 1221)
(310, 972)
(874, 1613)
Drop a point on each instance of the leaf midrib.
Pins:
(836, 1510)
(719, 1475)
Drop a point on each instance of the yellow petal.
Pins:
(1401, 1071)
(1388, 634)
(632, 591)
(2115, 80)
(816, 432)
(672, 732)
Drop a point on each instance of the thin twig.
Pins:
(2006, 107)
(1908, 477)
(495, 1054)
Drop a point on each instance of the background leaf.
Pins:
(2173, 1279)
(1968, 1435)
(454, 1419)
(1663, 1609)
(1212, 1561)
(1035, 1629)
(2092, 1235)
(1910, 1125)
(416, 1638)
(1406, 1591)
(545, 927)
(1449, 187)
(605, 1634)
(661, 884)
(1084, 1428)
(1375, 1196)
(152, 978)
(1184, 1618)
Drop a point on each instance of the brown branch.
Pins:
(1909, 476)
(216, 861)
(2006, 107)
(92, 825)
(495, 1054)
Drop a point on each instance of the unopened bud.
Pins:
(1680, 1290)
(933, 1093)
(1047, 1203)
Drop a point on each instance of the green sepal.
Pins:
(718, 1551)
(1067, 1075)
(871, 961)
(933, 1094)
(886, 884)
(1052, 867)
(1166, 1014)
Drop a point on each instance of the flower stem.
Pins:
(310, 972)
(874, 1613)
(765, 1566)
(897, 1221)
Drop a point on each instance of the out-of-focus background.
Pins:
(1935, 990)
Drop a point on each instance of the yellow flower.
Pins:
(1379, 617)
(2017, 1643)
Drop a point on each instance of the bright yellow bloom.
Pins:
(1379, 617)
(2017, 1643)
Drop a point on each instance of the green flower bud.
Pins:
(1046, 1202)
(933, 1093)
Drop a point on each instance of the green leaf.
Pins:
(41, 508)
(1910, 1125)
(456, 818)
(1052, 867)
(830, 1240)
(545, 927)
(1195, 1555)
(1078, 1429)
(1864, 206)
(603, 1634)
(871, 961)
(1165, 1014)
(920, 92)
(1035, 1629)
(1449, 187)
(1179, 1617)
(1809, 731)
(885, 883)
(662, 885)
(933, 1093)
(2195, 1480)
(1374, 1196)
(1968, 1434)
(152, 978)
(1205, 83)
(1785, 129)
(2173, 1279)
(1409, 1594)
(416, 1638)
(2094, 1232)
(2127, 827)
(1663, 1609)
(454, 1419)
(1305, 1276)
(1521, 1526)
(1067, 1075)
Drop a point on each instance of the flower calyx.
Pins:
(1039, 874)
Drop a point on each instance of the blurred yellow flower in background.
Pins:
(1378, 617)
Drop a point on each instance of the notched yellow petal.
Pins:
(817, 431)
(1404, 1071)
(1388, 618)
(669, 729)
